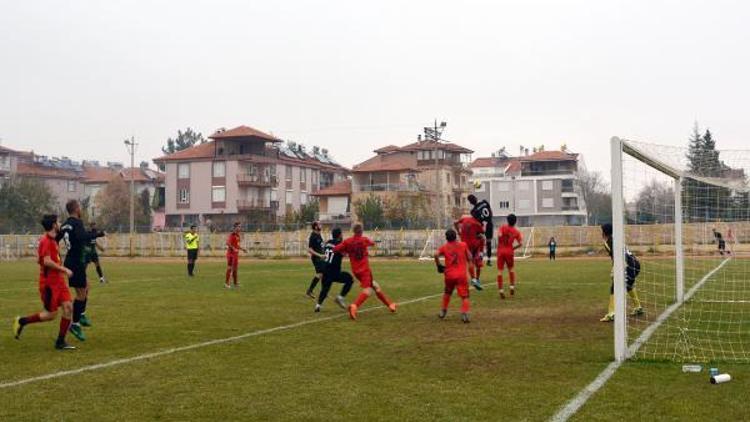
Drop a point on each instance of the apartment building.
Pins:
(335, 204)
(428, 171)
(96, 177)
(540, 188)
(246, 175)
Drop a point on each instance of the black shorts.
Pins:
(489, 232)
(338, 277)
(722, 245)
(319, 265)
(78, 279)
(94, 257)
(192, 254)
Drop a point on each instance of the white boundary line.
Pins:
(152, 355)
(572, 407)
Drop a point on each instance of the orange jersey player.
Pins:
(456, 255)
(356, 248)
(52, 286)
(509, 239)
(233, 255)
(472, 233)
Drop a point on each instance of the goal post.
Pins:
(681, 227)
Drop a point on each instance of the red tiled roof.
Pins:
(243, 132)
(205, 150)
(342, 188)
(34, 170)
(97, 174)
(387, 162)
(430, 145)
(550, 156)
(489, 162)
(387, 148)
(137, 173)
(514, 167)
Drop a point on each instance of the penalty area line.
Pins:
(153, 355)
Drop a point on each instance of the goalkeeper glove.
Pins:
(441, 268)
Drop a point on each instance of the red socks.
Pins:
(383, 298)
(226, 279)
(465, 305)
(234, 275)
(479, 271)
(446, 300)
(31, 319)
(500, 281)
(64, 326)
(361, 299)
(472, 273)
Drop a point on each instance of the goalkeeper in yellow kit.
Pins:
(632, 269)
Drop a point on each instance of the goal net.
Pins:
(684, 213)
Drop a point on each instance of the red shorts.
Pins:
(365, 279)
(53, 294)
(460, 284)
(477, 251)
(233, 260)
(505, 258)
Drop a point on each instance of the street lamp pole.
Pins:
(130, 144)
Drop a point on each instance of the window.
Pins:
(448, 178)
(547, 185)
(504, 205)
(303, 178)
(183, 171)
(72, 186)
(274, 195)
(548, 202)
(303, 198)
(183, 196)
(219, 169)
(524, 204)
(289, 201)
(289, 177)
(218, 194)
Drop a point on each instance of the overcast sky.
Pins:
(78, 77)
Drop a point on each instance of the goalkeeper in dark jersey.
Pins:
(77, 239)
(632, 269)
(332, 272)
(482, 211)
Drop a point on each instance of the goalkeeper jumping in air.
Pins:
(632, 269)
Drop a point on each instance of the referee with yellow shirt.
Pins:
(192, 243)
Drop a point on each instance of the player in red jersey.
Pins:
(233, 255)
(52, 286)
(509, 239)
(472, 233)
(456, 256)
(356, 247)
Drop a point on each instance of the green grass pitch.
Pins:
(519, 359)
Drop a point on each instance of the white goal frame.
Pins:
(618, 148)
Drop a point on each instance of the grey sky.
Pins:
(78, 77)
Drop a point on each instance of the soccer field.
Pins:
(519, 359)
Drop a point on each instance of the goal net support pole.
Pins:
(678, 243)
(618, 251)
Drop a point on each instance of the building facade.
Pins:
(335, 204)
(245, 175)
(541, 188)
(425, 175)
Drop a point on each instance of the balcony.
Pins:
(570, 208)
(255, 204)
(258, 180)
(461, 189)
(391, 187)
